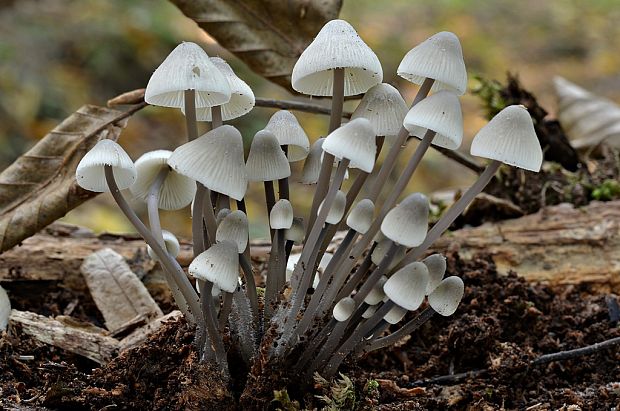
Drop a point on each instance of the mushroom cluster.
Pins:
(315, 309)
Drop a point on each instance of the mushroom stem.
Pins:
(223, 201)
(275, 274)
(216, 343)
(270, 200)
(250, 284)
(283, 186)
(216, 117)
(453, 212)
(328, 159)
(225, 311)
(314, 344)
(152, 205)
(190, 114)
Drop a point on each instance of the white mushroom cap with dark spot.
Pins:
(360, 217)
(337, 45)
(234, 228)
(219, 264)
(336, 212)
(266, 161)
(376, 295)
(216, 160)
(172, 245)
(289, 133)
(439, 57)
(281, 215)
(407, 287)
(436, 264)
(90, 174)
(510, 138)
(441, 113)
(395, 315)
(187, 67)
(384, 107)
(177, 190)
(407, 223)
(344, 309)
(354, 141)
(446, 297)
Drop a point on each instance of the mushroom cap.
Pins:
(177, 190)
(439, 57)
(172, 245)
(441, 113)
(312, 165)
(281, 215)
(90, 174)
(267, 161)
(214, 159)
(337, 45)
(354, 141)
(296, 232)
(289, 133)
(370, 311)
(510, 138)
(407, 223)
(221, 215)
(187, 67)
(446, 297)
(407, 287)
(344, 309)
(336, 211)
(384, 107)
(436, 264)
(234, 228)
(381, 250)
(360, 217)
(294, 259)
(5, 309)
(218, 264)
(395, 315)
(376, 295)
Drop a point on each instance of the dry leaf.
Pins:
(268, 35)
(39, 187)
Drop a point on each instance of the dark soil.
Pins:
(502, 324)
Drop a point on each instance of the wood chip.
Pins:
(393, 388)
(141, 334)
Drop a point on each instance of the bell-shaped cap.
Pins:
(407, 287)
(376, 295)
(407, 223)
(289, 133)
(266, 161)
(221, 215)
(370, 311)
(510, 138)
(312, 165)
(441, 113)
(337, 45)
(439, 57)
(218, 264)
(384, 107)
(296, 232)
(234, 228)
(177, 190)
(216, 160)
(354, 141)
(90, 174)
(336, 212)
(5, 309)
(395, 315)
(281, 215)
(172, 245)
(361, 216)
(446, 297)
(187, 67)
(381, 250)
(344, 309)
(241, 96)
(436, 264)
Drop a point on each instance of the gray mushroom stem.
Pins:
(215, 339)
(250, 284)
(190, 114)
(270, 199)
(283, 186)
(275, 275)
(216, 117)
(152, 205)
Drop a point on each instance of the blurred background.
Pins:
(57, 55)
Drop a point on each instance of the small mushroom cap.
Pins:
(5, 309)
(241, 96)
(221, 215)
(395, 315)
(218, 264)
(384, 107)
(407, 223)
(344, 309)
(177, 190)
(381, 250)
(337, 45)
(267, 161)
(439, 57)
(281, 215)
(336, 212)
(354, 141)
(296, 232)
(376, 295)
(187, 67)
(172, 245)
(90, 173)
(510, 138)
(436, 264)
(294, 259)
(234, 228)
(312, 165)
(407, 287)
(360, 217)
(441, 113)
(289, 133)
(446, 297)
(369, 311)
(216, 160)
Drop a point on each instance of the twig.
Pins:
(297, 105)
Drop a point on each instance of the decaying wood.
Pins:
(83, 339)
(118, 293)
(141, 334)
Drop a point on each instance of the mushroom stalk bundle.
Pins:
(316, 309)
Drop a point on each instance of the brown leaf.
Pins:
(268, 35)
(39, 187)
